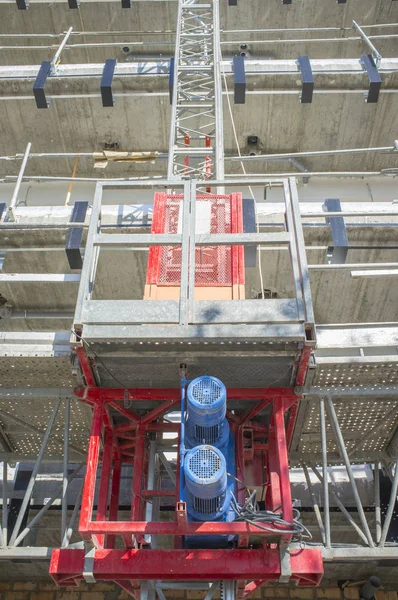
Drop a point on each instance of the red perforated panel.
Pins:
(214, 265)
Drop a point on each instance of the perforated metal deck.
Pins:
(24, 419)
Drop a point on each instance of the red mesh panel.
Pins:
(214, 265)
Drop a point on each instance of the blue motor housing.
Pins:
(207, 405)
(205, 471)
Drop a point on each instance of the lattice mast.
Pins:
(196, 148)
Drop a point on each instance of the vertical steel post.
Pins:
(89, 256)
(341, 506)
(185, 253)
(325, 472)
(33, 476)
(302, 256)
(91, 471)
(114, 503)
(137, 475)
(343, 452)
(76, 508)
(218, 102)
(103, 494)
(64, 504)
(150, 483)
(192, 254)
(174, 122)
(281, 449)
(5, 504)
(377, 501)
(391, 506)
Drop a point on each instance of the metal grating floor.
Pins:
(36, 371)
(161, 372)
(333, 373)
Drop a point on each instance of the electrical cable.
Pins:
(101, 361)
(250, 513)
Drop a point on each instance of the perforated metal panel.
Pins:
(25, 421)
(213, 264)
(332, 375)
(233, 371)
(36, 371)
(367, 425)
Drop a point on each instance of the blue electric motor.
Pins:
(207, 405)
(205, 472)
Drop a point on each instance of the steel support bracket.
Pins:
(40, 82)
(286, 567)
(337, 254)
(239, 79)
(74, 3)
(286, 1)
(307, 79)
(106, 83)
(232, 2)
(126, 3)
(171, 79)
(181, 514)
(341, 1)
(374, 78)
(75, 235)
(22, 4)
(88, 569)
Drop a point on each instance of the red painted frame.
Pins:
(112, 445)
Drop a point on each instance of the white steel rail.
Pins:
(196, 146)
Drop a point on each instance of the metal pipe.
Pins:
(228, 31)
(341, 506)
(14, 197)
(218, 101)
(326, 511)
(347, 266)
(360, 213)
(317, 40)
(65, 469)
(58, 52)
(377, 502)
(391, 507)
(366, 39)
(33, 476)
(5, 504)
(343, 452)
(252, 179)
(300, 245)
(45, 508)
(315, 504)
(266, 157)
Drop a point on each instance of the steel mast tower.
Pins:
(196, 148)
